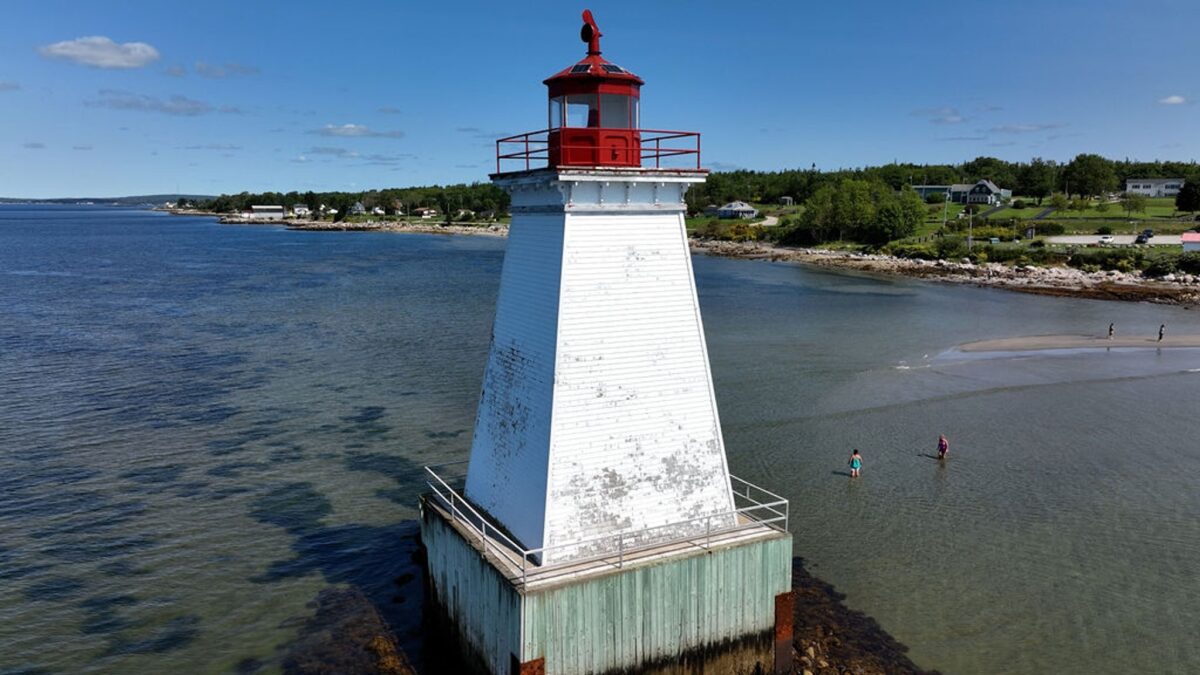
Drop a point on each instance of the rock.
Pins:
(808, 672)
(1168, 277)
(347, 634)
(812, 654)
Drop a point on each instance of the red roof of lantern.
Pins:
(593, 72)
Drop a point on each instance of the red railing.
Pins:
(531, 150)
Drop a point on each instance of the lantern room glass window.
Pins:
(618, 111)
(610, 111)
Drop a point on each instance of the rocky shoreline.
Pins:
(829, 638)
(1055, 281)
(1183, 289)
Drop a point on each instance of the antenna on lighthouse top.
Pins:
(590, 33)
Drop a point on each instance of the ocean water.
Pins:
(203, 426)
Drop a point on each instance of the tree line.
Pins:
(1087, 175)
(450, 199)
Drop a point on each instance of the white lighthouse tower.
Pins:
(598, 484)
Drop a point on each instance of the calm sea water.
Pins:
(203, 426)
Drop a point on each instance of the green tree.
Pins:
(1090, 175)
(1036, 179)
(1059, 201)
(1188, 198)
(1133, 202)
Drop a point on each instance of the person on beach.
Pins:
(1161, 330)
(1111, 328)
(944, 445)
(855, 463)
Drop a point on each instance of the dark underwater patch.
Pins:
(297, 508)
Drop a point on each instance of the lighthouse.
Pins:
(598, 528)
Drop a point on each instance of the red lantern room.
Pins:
(594, 110)
(594, 120)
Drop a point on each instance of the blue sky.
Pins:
(224, 96)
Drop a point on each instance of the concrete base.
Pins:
(722, 609)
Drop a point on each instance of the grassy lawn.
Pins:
(1156, 207)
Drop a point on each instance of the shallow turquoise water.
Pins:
(205, 425)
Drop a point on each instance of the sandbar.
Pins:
(1037, 342)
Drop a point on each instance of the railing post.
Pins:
(697, 151)
(657, 152)
(485, 539)
(526, 152)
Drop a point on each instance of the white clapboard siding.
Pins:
(597, 415)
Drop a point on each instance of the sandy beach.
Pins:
(1041, 342)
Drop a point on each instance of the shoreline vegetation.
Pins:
(1181, 289)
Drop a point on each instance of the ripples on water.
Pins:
(206, 425)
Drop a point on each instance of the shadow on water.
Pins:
(382, 562)
(841, 473)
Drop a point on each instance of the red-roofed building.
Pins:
(1191, 241)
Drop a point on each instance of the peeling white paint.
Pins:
(597, 415)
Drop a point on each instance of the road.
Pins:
(1118, 239)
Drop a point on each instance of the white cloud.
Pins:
(228, 70)
(101, 52)
(336, 152)
(182, 106)
(1173, 99)
(34, 146)
(1024, 128)
(941, 115)
(355, 131)
(175, 71)
(9, 86)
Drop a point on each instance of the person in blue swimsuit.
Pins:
(855, 464)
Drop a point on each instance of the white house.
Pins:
(358, 209)
(266, 212)
(377, 211)
(1191, 241)
(737, 210)
(301, 211)
(1154, 187)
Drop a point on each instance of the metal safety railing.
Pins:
(531, 150)
(755, 508)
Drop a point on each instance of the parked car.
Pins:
(1106, 239)
(1147, 233)
(1142, 239)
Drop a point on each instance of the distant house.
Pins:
(464, 214)
(1191, 241)
(425, 212)
(786, 200)
(983, 192)
(925, 190)
(377, 211)
(300, 211)
(265, 212)
(1154, 187)
(358, 209)
(737, 210)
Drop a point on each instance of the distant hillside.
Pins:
(135, 200)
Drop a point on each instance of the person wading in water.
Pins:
(943, 446)
(855, 464)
